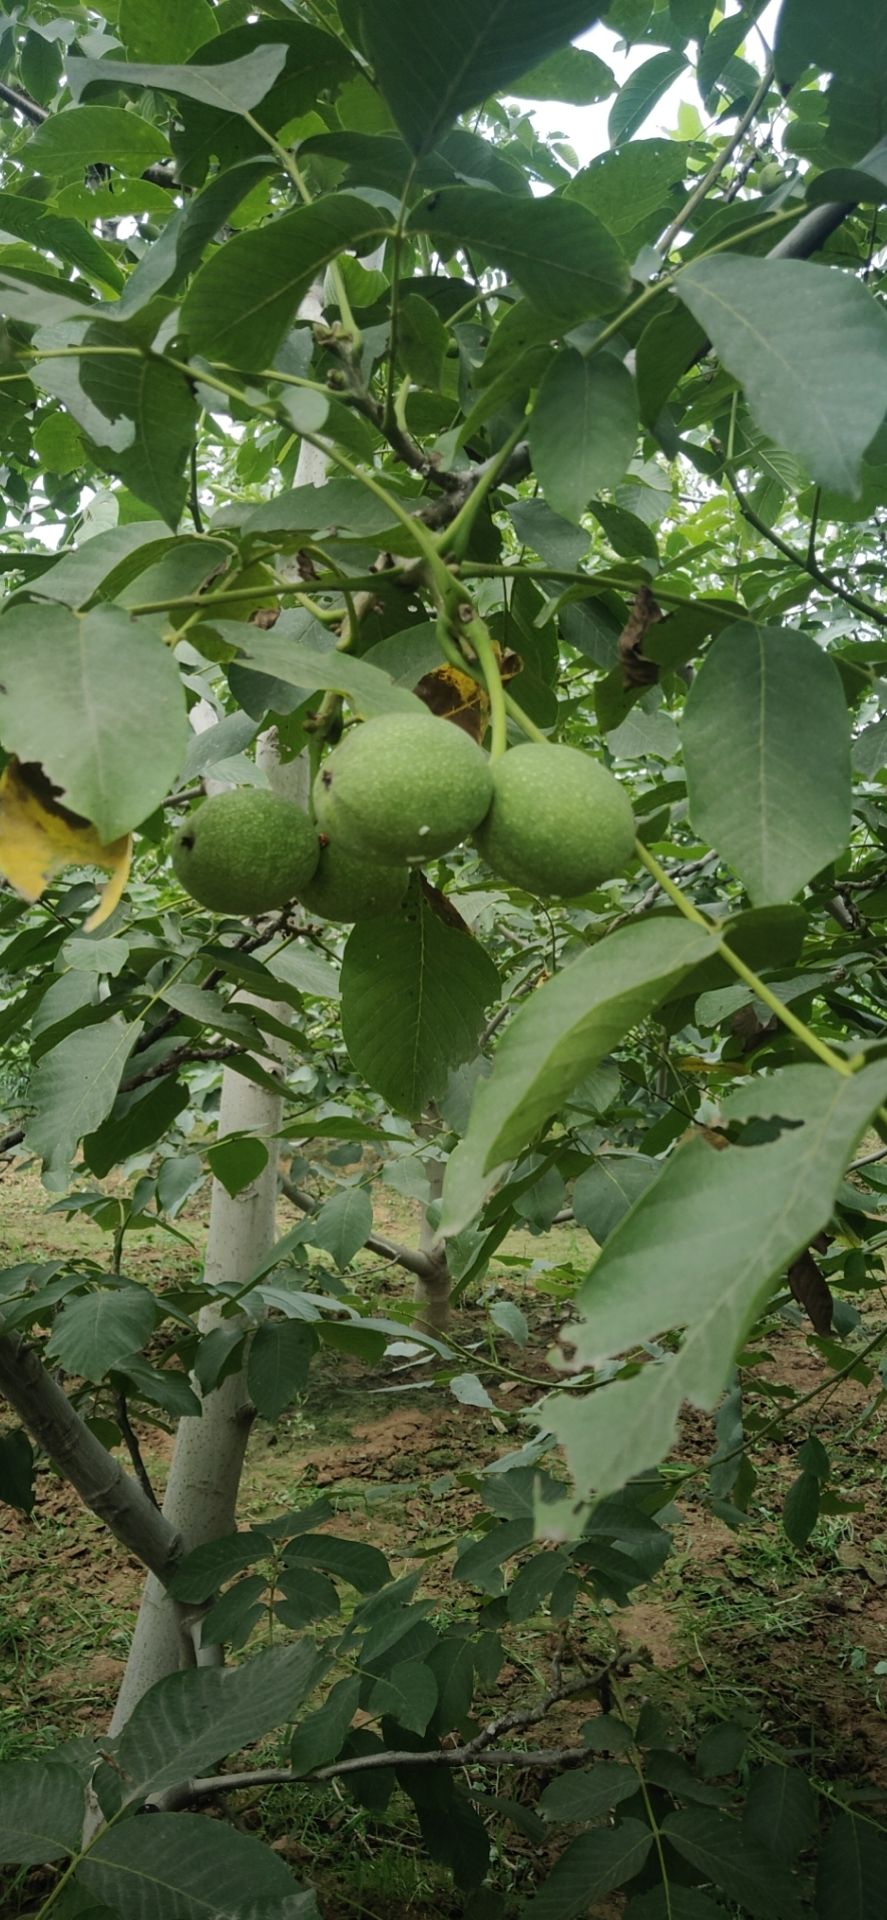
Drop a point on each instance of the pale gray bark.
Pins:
(101, 1481)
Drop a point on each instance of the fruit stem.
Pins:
(753, 980)
(477, 634)
(523, 720)
(454, 538)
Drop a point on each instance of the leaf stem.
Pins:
(523, 720)
(453, 538)
(478, 635)
(782, 1012)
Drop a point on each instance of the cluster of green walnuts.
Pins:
(398, 791)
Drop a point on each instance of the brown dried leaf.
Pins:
(812, 1292)
(636, 670)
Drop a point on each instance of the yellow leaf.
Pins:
(38, 837)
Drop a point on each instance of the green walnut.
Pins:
(348, 887)
(559, 823)
(403, 787)
(245, 851)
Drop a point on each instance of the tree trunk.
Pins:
(204, 1478)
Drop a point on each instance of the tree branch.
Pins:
(23, 104)
(102, 1483)
(526, 1758)
(408, 1257)
(479, 1752)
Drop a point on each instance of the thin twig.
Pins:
(479, 1752)
(718, 165)
(410, 1258)
(801, 560)
(133, 1449)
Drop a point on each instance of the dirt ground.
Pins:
(739, 1625)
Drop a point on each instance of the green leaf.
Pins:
(780, 1810)
(18, 302)
(307, 1596)
(237, 1160)
(112, 559)
(800, 1509)
(574, 75)
(408, 1694)
(553, 1042)
(342, 1224)
(346, 508)
(67, 238)
(452, 1832)
(681, 1903)
(201, 1572)
(69, 143)
(605, 1191)
(767, 751)
(749, 1874)
(717, 53)
(809, 346)
(684, 1257)
(187, 1722)
(850, 42)
(366, 688)
(180, 1864)
(469, 1391)
(584, 1796)
(162, 1387)
(41, 1812)
(583, 429)
(165, 29)
(562, 256)
(480, 1561)
(632, 185)
(16, 1471)
(138, 414)
(414, 992)
(666, 349)
(720, 1750)
(97, 1329)
(97, 701)
(589, 1868)
(851, 1872)
(73, 1088)
(236, 86)
(230, 1622)
(241, 302)
(637, 98)
(432, 62)
(363, 1567)
(277, 1369)
(508, 1316)
(188, 231)
(319, 1739)
(422, 341)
